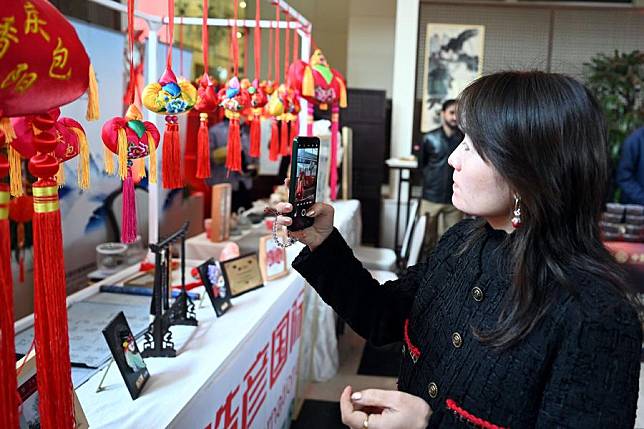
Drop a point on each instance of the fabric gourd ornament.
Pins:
(324, 86)
(257, 101)
(130, 138)
(206, 103)
(170, 97)
(43, 65)
(71, 139)
(275, 109)
(8, 387)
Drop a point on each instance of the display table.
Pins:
(319, 349)
(241, 367)
(631, 256)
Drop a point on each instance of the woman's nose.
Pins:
(454, 160)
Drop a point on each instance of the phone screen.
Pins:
(304, 174)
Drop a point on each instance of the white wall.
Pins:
(370, 44)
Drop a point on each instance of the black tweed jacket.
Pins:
(578, 368)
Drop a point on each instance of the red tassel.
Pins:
(309, 119)
(50, 311)
(8, 388)
(233, 155)
(284, 138)
(255, 136)
(274, 145)
(335, 124)
(295, 131)
(203, 148)
(171, 154)
(128, 210)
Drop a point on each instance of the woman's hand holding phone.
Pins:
(314, 235)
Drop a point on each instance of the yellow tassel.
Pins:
(152, 149)
(308, 85)
(122, 139)
(83, 160)
(133, 113)
(60, 176)
(15, 172)
(140, 168)
(93, 109)
(343, 93)
(109, 161)
(7, 130)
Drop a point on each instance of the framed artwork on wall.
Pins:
(453, 58)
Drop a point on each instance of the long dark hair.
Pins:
(545, 135)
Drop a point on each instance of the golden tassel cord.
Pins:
(122, 140)
(7, 130)
(109, 161)
(93, 109)
(152, 149)
(15, 172)
(83, 160)
(60, 176)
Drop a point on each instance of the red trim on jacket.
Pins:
(471, 418)
(413, 350)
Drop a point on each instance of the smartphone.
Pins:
(304, 179)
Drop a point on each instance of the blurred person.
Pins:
(630, 171)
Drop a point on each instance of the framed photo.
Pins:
(242, 274)
(216, 286)
(272, 259)
(453, 59)
(29, 400)
(126, 354)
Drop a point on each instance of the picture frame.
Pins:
(126, 354)
(453, 58)
(242, 274)
(28, 392)
(272, 259)
(216, 286)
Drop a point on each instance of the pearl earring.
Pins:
(516, 219)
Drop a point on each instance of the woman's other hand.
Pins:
(322, 226)
(383, 409)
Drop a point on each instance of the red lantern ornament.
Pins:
(43, 64)
(130, 138)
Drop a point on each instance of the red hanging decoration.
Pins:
(206, 103)
(50, 311)
(274, 145)
(8, 387)
(170, 97)
(258, 97)
(21, 212)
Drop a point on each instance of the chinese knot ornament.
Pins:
(234, 99)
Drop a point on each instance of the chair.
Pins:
(415, 246)
(377, 258)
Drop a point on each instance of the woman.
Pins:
(518, 319)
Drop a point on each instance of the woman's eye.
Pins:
(466, 148)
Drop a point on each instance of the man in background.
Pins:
(436, 147)
(241, 182)
(630, 171)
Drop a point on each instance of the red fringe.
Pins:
(128, 210)
(334, 151)
(274, 146)
(171, 156)
(284, 138)
(310, 109)
(413, 350)
(295, 131)
(50, 319)
(203, 150)
(233, 155)
(8, 387)
(255, 136)
(471, 418)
